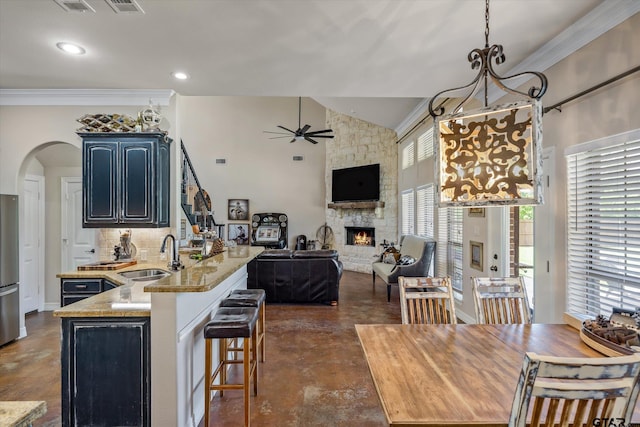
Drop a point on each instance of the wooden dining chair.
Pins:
(501, 300)
(564, 391)
(426, 300)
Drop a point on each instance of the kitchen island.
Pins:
(143, 341)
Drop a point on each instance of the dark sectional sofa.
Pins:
(300, 276)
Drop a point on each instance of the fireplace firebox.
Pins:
(361, 236)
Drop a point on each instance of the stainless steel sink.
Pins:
(145, 275)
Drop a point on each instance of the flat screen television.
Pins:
(357, 184)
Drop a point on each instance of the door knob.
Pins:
(92, 251)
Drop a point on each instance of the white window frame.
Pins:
(408, 155)
(425, 145)
(408, 212)
(425, 208)
(450, 247)
(603, 225)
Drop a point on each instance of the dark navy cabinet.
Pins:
(106, 378)
(72, 290)
(125, 179)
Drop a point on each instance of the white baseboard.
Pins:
(51, 306)
(465, 317)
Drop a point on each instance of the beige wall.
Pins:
(257, 168)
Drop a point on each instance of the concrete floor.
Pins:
(315, 373)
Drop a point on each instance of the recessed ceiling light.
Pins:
(71, 48)
(180, 75)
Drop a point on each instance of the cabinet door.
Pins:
(107, 285)
(100, 165)
(164, 184)
(106, 371)
(137, 182)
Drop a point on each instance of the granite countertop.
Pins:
(133, 298)
(21, 413)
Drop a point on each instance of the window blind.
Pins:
(449, 247)
(408, 212)
(425, 145)
(603, 208)
(408, 155)
(425, 201)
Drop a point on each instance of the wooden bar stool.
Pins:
(251, 298)
(231, 322)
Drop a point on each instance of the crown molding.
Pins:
(85, 97)
(414, 116)
(598, 21)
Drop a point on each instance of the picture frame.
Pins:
(238, 209)
(477, 255)
(239, 233)
(476, 212)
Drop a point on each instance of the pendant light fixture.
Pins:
(491, 155)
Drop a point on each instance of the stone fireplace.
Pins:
(360, 236)
(358, 143)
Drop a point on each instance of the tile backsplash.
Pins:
(144, 239)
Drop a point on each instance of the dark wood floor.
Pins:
(315, 373)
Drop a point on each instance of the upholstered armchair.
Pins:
(418, 251)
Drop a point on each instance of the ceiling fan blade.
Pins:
(293, 140)
(279, 137)
(288, 130)
(315, 132)
(318, 136)
(279, 133)
(310, 140)
(304, 129)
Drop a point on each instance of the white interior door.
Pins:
(32, 242)
(78, 244)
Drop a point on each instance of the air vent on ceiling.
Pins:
(75, 5)
(125, 6)
(221, 161)
(298, 158)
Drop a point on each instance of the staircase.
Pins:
(195, 201)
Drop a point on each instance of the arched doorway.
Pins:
(41, 199)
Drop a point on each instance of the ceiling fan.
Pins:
(302, 132)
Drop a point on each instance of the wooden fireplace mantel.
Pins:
(355, 205)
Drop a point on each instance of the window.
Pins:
(425, 145)
(449, 248)
(425, 201)
(408, 212)
(603, 248)
(408, 155)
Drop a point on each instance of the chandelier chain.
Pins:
(486, 24)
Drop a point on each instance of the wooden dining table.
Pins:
(457, 375)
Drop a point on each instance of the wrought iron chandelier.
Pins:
(492, 155)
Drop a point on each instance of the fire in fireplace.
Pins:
(361, 236)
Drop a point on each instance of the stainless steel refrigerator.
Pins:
(9, 269)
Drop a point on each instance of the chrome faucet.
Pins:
(174, 264)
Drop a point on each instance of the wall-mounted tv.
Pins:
(357, 184)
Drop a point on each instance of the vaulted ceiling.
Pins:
(373, 59)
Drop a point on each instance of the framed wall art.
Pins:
(477, 255)
(239, 233)
(238, 209)
(477, 212)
